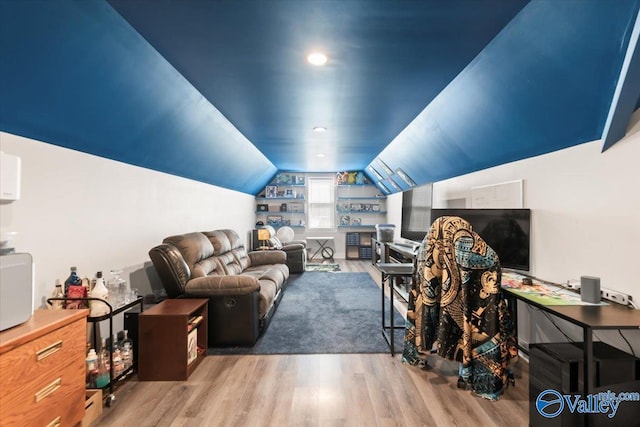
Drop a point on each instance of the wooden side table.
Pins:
(172, 339)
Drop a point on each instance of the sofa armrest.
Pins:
(222, 285)
(267, 257)
(293, 247)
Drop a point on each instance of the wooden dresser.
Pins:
(42, 370)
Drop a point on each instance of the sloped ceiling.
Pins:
(219, 91)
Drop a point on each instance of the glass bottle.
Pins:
(72, 280)
(92, 368)
(118, 288)
(127, 350)
(99, 308)
(58, 293)
(104, 366)
(116, 357)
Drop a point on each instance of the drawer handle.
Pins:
(56, 422)
(46, 391)
(48, 351)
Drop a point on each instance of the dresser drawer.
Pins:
(44, 379)
(61, 399)
(37, 360)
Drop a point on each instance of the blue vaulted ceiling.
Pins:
(219, 92)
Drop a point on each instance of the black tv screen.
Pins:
(416, 212)
(507, 231)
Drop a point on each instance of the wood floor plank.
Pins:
(323, 390)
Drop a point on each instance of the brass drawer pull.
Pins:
(46, 391)
(56, 422)
(49, 350)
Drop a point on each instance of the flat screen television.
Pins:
(507, 231)
(416, 212)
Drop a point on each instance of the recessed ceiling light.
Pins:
(317, 58)
(319, 129)
(320, 155)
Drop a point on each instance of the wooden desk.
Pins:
(590, 318)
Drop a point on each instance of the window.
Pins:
(321, 203)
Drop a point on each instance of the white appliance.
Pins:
(16, 289)
(10, 167)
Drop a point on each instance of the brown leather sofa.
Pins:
(243, 287)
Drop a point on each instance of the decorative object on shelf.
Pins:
(295, 207)
(290, 192)
(345, 220)
(375, 207)
(298, 179)
(285, 234)
(274, 220)
(283, 207)
(356, 221)
(352, 178)
(271, 191)
(285, 221)
(263, 207)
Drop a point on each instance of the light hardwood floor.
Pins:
(317, 390)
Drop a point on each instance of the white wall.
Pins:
(585, 217)
(82, 210)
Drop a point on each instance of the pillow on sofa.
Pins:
(275, 243)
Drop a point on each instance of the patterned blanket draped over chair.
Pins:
(456, 302)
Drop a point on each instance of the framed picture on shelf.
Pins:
(274, 220)
(263, 208)
(375, 207)
(285, 221)
(283, 207)
(290, 192)
(295, 207)
(271, 191)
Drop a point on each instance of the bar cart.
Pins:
(95, 321)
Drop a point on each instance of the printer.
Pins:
(16, 289)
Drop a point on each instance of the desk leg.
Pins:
(589, 368)
(391, 315)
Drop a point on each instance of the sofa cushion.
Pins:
(197, 252)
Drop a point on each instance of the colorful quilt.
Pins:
(456, 303)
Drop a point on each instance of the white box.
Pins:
(9, 177)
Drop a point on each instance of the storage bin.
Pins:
(92, 406)
(384, 232)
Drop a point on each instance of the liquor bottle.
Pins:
(58, 293)
(116, 357)
(72, 280)
(99, 308)
(127, 351)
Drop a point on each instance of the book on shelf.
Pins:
(193, 322)
(192, 346)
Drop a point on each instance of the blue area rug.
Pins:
(325, 313)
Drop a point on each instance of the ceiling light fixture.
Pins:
(317, 58)
(320, 155)
(319, 129)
